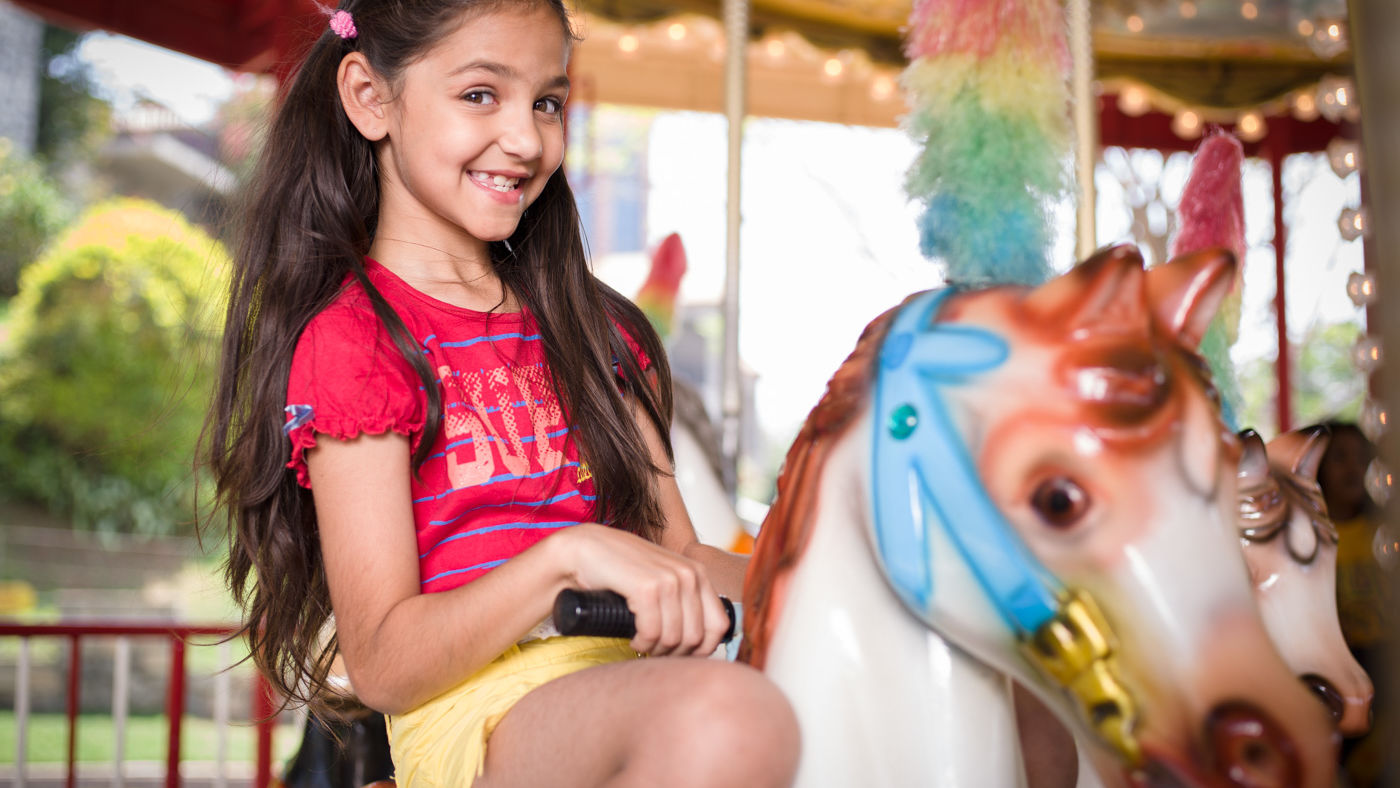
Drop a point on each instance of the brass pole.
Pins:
(1375, 29)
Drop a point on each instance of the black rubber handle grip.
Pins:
(605, 614)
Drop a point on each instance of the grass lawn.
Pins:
(146, 738)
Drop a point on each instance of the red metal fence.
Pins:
(179, 637)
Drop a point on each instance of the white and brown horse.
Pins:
(1290, 547)
(1035, 485)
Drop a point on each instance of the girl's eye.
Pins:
(1060, 502)
(478, 97)
(549, 105)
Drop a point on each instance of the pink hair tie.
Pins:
(343, 25)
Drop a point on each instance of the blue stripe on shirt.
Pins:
(546, 502)
(495, 439)
(501, 527)
(505, 477)
(491, 338)
(487, 565)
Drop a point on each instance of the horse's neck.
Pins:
(882, 699)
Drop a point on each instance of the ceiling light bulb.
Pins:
(1361, 288)
(1187, 124)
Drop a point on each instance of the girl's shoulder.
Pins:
(349, 335)
(352, 309)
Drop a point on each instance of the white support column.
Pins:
(736, 36)
(22, 713)
(1086, 124)
(221, 715)
(121, 696)
(1375, 29)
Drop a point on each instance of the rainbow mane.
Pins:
(989, 100)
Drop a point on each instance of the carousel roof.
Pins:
(839, 60)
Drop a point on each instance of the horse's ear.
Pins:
(1105, 291)
(1186, 291)
(1300, 451)
(1253, 473)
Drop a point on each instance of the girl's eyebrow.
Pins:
(506, 72)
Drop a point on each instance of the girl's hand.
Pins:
(677, 610)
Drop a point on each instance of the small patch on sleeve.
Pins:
(297, 415)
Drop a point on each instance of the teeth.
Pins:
(498, 182)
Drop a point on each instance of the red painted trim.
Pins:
(99, 628)
(75, 673)
(179, 635)
(263, 715)
(1154, 130)
(175, 711)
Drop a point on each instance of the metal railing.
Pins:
(179, 637)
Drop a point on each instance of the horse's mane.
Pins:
(1294, 494)
(787, 529)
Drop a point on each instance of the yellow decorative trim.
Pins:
(1077, 650)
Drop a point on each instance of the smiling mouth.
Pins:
(498, 183)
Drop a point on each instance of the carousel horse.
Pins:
(1290, 547)
(1033, 485)
(694, 439)
(697, 469)
(1290, 550)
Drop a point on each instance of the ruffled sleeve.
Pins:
(349, 379)
(633, 347)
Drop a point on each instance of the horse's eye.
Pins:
(1060, 502)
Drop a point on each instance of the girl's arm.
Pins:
(402, 647)
(725, 569)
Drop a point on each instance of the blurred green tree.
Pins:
(73, 120)
(32, 210)
(107, 369)
(1326, 384)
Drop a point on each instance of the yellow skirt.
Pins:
(442, 744)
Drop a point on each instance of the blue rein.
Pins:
(922, 473)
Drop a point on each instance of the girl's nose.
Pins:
(520, 137)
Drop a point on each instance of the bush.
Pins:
(108, 368)
(32, 210)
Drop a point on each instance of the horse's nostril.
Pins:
(1327, 693)
(1250, 749)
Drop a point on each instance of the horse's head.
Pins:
(1057, 455)
(1290, 547)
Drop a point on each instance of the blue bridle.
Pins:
(922, 473)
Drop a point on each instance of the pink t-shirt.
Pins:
(501, 474)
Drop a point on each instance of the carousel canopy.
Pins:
(1159, 61)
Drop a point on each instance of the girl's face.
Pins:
(476, 128)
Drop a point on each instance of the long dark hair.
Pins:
(307, 220)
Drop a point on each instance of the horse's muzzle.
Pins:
(1249, 749)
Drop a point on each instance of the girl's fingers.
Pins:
(692, 610)
(671, 598)
(674, 606)
(648, 621)
(716, 621)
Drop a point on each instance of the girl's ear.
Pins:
(362, 95)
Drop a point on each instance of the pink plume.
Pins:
(1211, 213)
(657, 296)
(668, 265)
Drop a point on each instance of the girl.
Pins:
(472, 423)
